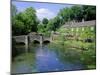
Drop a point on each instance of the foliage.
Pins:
(25, 22)
(65, 14)
(78, 13)
(45, 21)
(89, 12)
(18, 27)
(41, 28)
(30, 19)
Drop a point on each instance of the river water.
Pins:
(45, 58)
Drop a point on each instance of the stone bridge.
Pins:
(26, 39)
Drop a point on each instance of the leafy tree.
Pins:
(30, 19)
(77, 12)
(45, 21)
(72, 13)
(41, 28)
(25, 22)
(50, 25)
(18, 28)
(53, 24)
(89, 12)
(65, 14)
(56, 23)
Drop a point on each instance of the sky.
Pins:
(43, 10)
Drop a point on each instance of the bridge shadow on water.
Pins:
(44, 42)
(20, 43)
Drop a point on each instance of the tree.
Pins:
(30, 19)
(18, 28)
(65, 14)
(89, 12)
(77, 12)
(50, 25)
(41, 28)
(45, 21)
(25, 22)
(72, 13)
(53, 24)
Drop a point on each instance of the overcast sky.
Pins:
(43, 10)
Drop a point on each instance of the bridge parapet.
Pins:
(34, 37)
(21, 39)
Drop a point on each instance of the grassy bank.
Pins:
(77, 50)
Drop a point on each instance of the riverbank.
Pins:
(86, 50)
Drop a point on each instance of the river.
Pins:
(45, 58)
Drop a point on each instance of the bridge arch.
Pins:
(36, 42)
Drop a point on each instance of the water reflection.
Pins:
(42, 58)
(24, 62)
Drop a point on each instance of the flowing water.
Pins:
(44, 58)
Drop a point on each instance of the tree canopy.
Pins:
(78, 13)
(25, 22)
